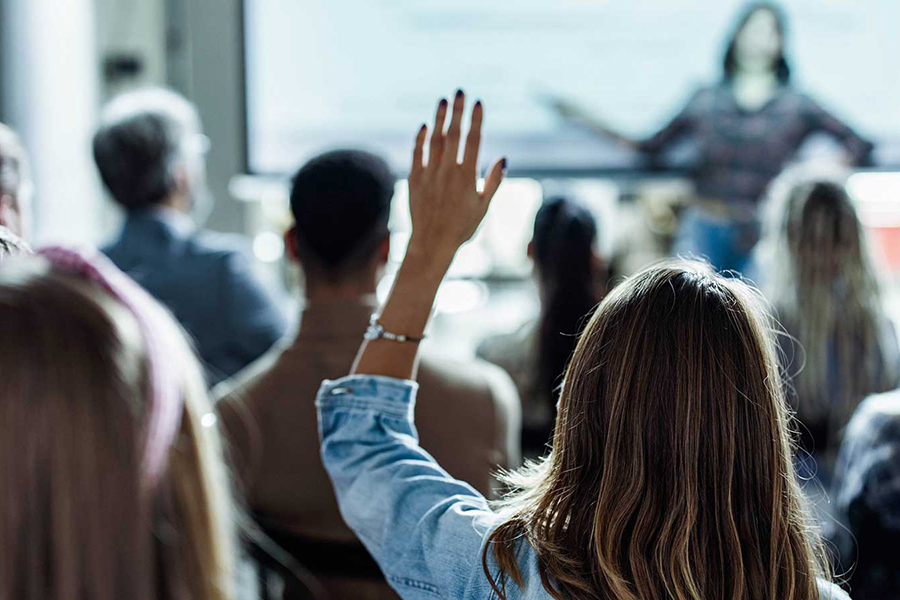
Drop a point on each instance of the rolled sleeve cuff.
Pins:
(385, 395)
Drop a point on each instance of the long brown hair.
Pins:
(824, 286)
(671, 473)
(563, 246)
(76, 521)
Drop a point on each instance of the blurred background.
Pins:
(277, 81)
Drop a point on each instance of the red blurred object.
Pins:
(887, 240)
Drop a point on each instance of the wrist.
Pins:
(425, 257)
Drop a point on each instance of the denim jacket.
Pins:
(425, 529)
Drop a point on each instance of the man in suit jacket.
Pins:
(150, 152)
(468, 413)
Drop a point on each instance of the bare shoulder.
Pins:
(236, 387)
(478, 394)
(476, 380)
(509, 349)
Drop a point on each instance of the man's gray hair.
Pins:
(139, 142)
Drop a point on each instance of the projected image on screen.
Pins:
(328, 73)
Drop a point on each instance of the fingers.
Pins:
(473, 141)
(494, 179)
(446, 147)
(451, 144)
(418, 152)
(437, 134)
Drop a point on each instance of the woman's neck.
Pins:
(754, 89)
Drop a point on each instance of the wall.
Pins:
(132, 28)
(208, 62)
(49, 85)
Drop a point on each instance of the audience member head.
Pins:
(11, 245)
(15, 184)
(866, 497)
(150, 151)
(568, 272)
(757, 42)
(113, 480)
(824, 286)
(671, 472)
(341, 201)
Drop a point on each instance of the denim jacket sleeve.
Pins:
(425, 529)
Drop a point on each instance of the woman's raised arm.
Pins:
(446, 209)
(425, 529)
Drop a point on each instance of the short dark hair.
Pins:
(138, 142)
(341, 201)
(781, 67)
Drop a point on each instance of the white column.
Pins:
(50, 84)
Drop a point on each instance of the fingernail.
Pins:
(459, 93)
(443, 102)
(478, 104)
(423, 127)
(503, 163)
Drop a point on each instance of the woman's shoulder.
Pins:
(796, 100)
(509, 348)
(705, 98)
(718, 88)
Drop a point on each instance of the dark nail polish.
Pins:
(459, 93)
(503, 163)
(478, 104)
(423, 127)
(443, 102)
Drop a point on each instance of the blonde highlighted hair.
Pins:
(76, 520)
(671, 474)
(823, 282)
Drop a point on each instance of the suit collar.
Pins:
(174, 222)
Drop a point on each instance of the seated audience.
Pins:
(670, 474)
(15, 185)
(571, 282)
(114, 485)
(150, 153)
(11, 245)
(867, 499)
(824, 287)
(341, 201)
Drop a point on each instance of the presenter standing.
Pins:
(748, 127)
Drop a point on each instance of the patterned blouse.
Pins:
(741, 151)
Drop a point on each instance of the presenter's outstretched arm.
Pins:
(572, 112)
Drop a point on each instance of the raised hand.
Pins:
(445, 204)
(446, 209)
